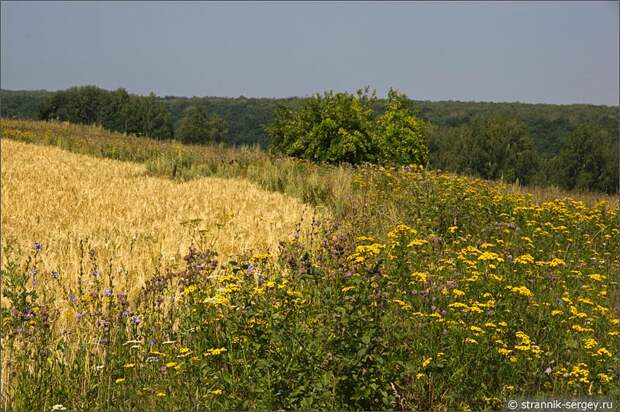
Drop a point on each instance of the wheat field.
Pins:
(133, 221)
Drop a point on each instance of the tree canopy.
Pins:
(343, 127)
(198, 126)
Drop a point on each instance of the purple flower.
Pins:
(548, 370)
(73, 299)
(79, 315)
(37, 247)
(121, 296)
(108, 292)
(94, 273)
(126, 312)
(135, 319)
(19, 330)
(55, 274)
(249, 270)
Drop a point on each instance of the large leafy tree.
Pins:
(401, 136)
(199, 126)
(499, 148)
(333, 127)
(342, 127)
(588, 160)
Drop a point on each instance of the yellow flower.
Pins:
(556, 312)
(420, 276)
(504, 351)
(490, 256)
(119, 380)
(184, 350)
(603, 351)
(347, 288)
(417, 242)
(580, 372)
(458, 293)
(596, 277)
(216, 392)
(160, 394)
(402, 304)
(419, 376)
(189, 290)
(214, 351)
(477, 330)
(555, 262)
(171, 364)
(401, 230)
(526, 259)
(472, 341)
(579, 328)
(589, 343)
(129, 365)
(604, 378)
(525, 340)
(521, 290)
(426, 362)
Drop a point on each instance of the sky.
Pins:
(536, 52)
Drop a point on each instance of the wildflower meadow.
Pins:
(332, 288)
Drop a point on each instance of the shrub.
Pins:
(341, 127)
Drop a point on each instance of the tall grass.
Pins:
(424, 291)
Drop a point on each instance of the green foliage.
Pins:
(334, 127)
(492, 148)
(400, 136)
(588, 161)
(198, 126)
(341, 127)
(22, 104)
(117, 111)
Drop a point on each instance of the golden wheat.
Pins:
(140, 222)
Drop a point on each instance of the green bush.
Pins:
(341, 127)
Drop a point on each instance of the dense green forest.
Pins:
(571, 146)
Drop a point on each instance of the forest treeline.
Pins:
(574, 147)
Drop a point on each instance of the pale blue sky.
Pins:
(553, 52)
